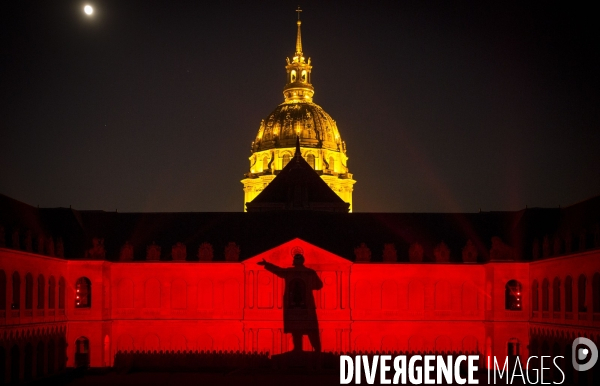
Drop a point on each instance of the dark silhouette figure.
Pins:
(299, 310)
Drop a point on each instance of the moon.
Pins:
(88, 10)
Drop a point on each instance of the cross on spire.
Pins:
(298, 10)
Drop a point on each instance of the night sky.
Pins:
(153, 105)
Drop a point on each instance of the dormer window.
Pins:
(512, 296)
(83, 293)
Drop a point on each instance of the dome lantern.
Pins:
(298, 87)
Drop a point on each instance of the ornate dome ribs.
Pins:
(306, 120)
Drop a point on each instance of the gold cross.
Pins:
(298, 10)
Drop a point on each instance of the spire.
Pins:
(298, 41)
(298, 38)
(298, 87)
(298, 154)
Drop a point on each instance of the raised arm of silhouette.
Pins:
(299, 309)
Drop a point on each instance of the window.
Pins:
(51, 293)
(581, 288)
(83, 293)
(61, 293)
(62, 352)
(556, 295)
(596, 292)
(545, 300)
(28, 291)
(40, 360)
(293, 76)
(535, 299)
(286, 160)
(514, 349)
(2, 290)
(265, 163)
(16, 291)
(303, 77)
(41, 291)
(82, 352)
(311, 160)
(28, 363)
(51, 356)
(331, 164)
(15, 364)
(568, 294)
(512, 296)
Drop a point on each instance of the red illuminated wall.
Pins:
(239, 306)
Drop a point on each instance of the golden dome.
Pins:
(307, 120)
(298, 117)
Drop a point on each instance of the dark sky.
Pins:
(444, 106)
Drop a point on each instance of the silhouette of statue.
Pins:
(299, 310)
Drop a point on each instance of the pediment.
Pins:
(315, 257)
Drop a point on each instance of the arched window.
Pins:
(311, 160)
(545, 293)
(16, 291)
(83, 293)
(513, 349)
(61, 293)
(41, 291)
(512, 296)
(28, 363)
(62, 352)
(568, 294)
(556, 295)
(331, 164)
(535, 297)
(51, 293)
(581, 288)
(596, 292)
(303, 77)
(15, 364)
(51, 356)
(28, 291)
(286, 160)
(82, 352)
(2, 290)
(265, 163)
(293, 76)
(39, 360)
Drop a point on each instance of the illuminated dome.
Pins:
(320, 142)
(307, 120)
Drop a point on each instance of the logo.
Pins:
(579, 354)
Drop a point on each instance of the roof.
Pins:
(297, 187)
(255, 233)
